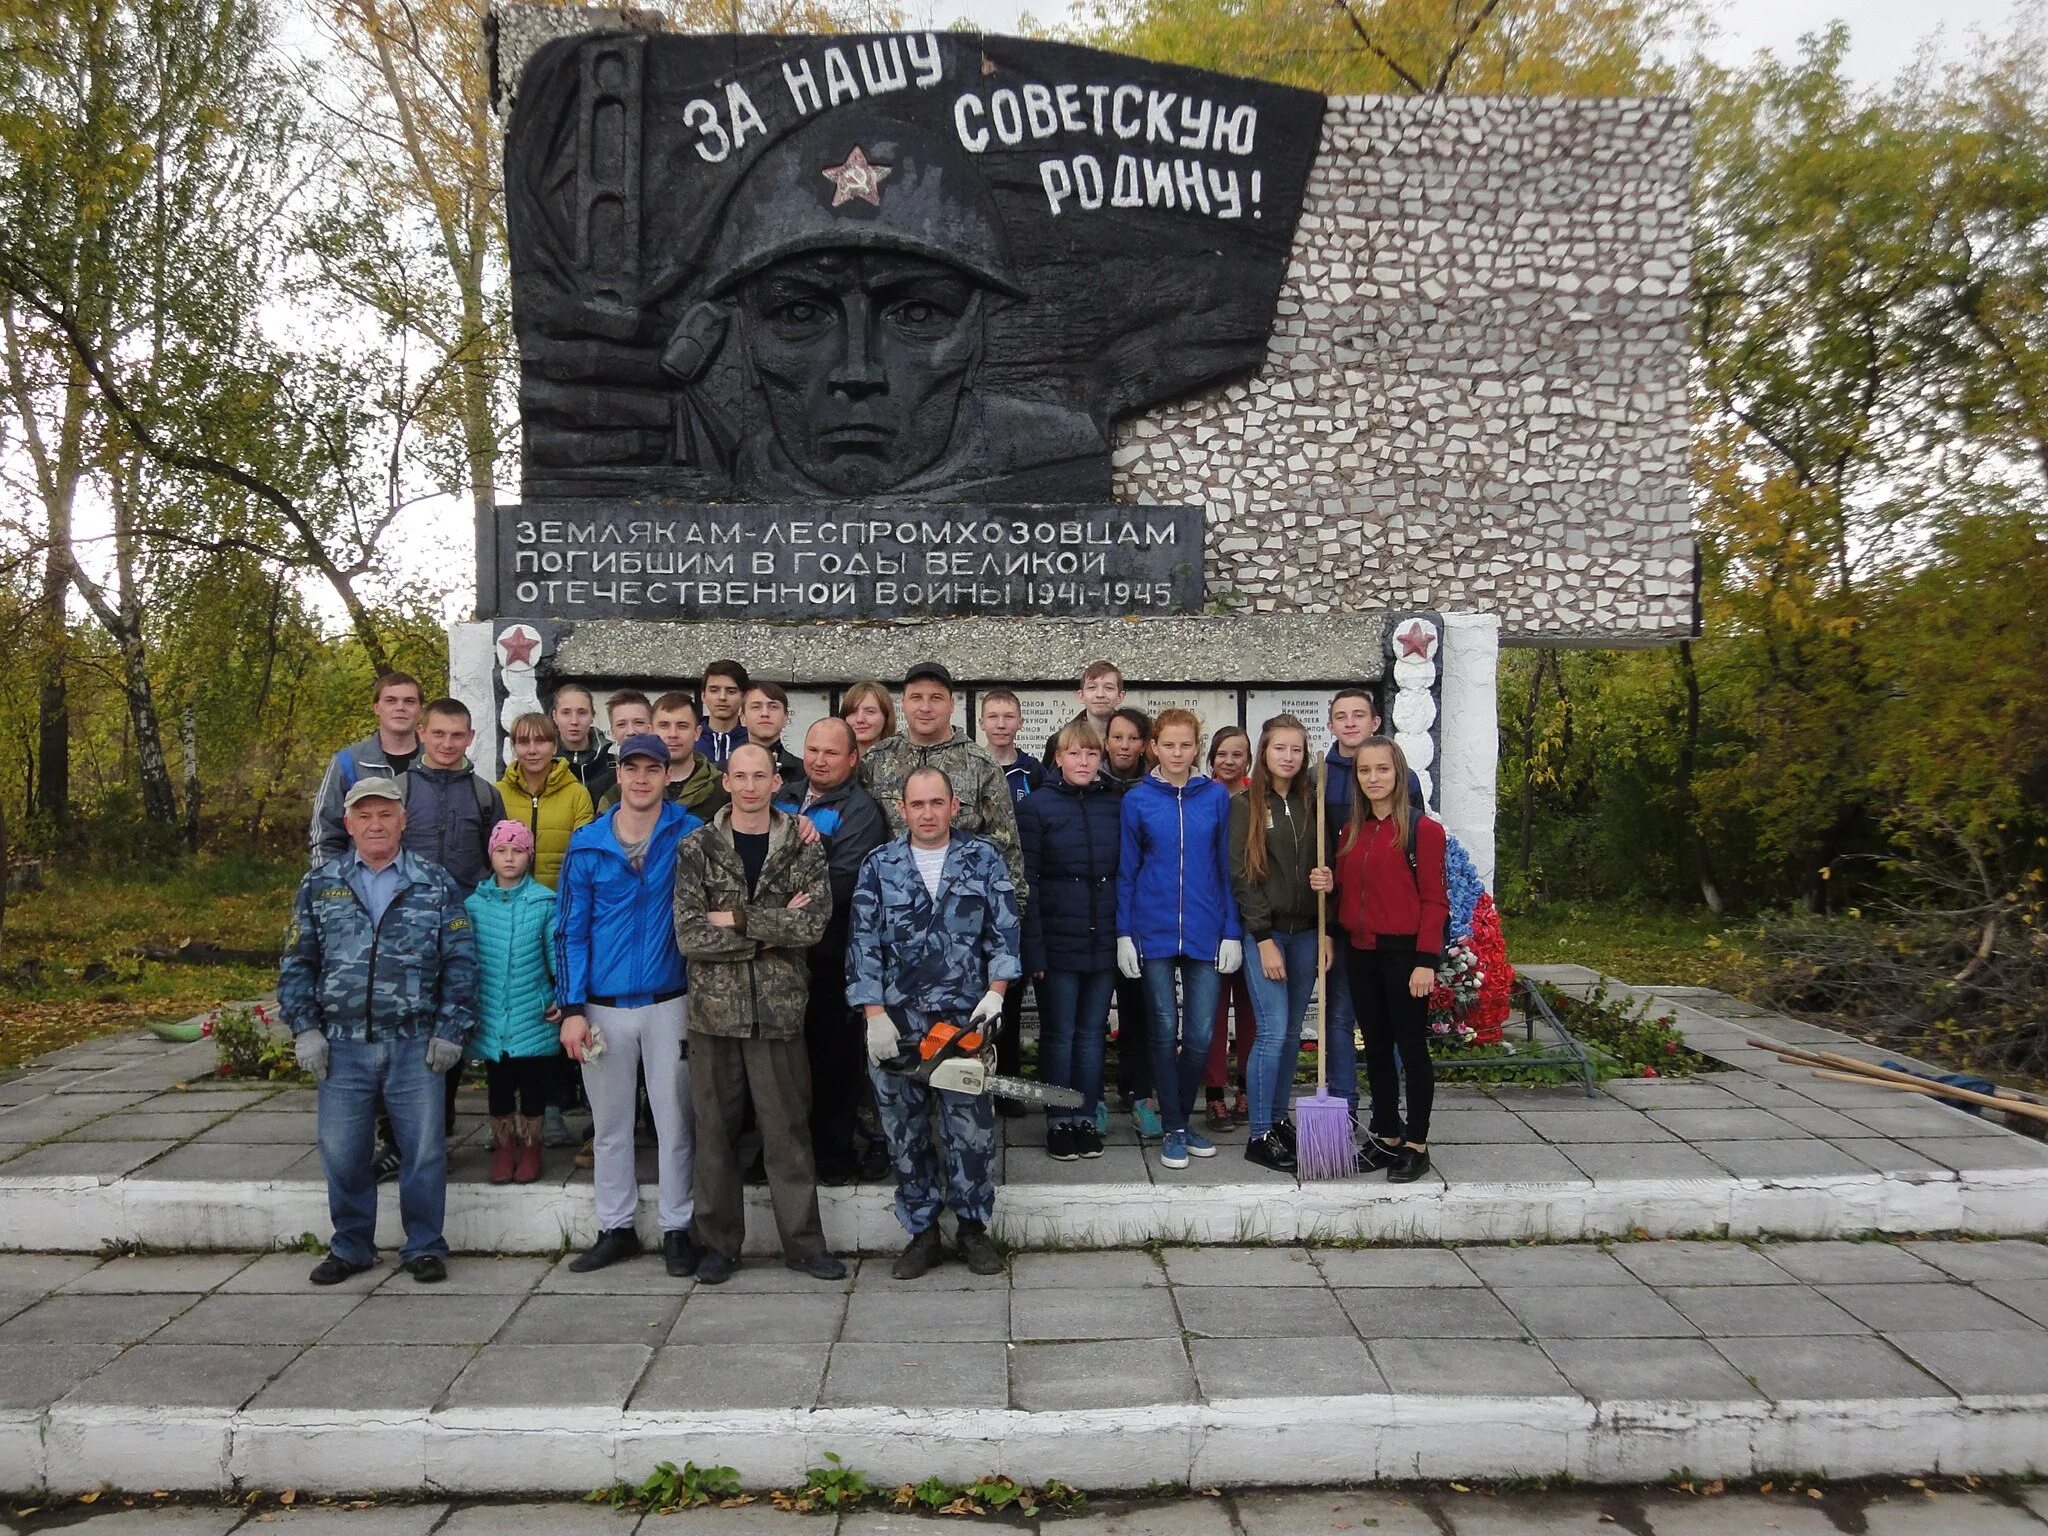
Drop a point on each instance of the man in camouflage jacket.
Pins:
(378, 984)
(752, 897)
(929, 740)
(934, 936)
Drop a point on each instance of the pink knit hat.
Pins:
(512, 834)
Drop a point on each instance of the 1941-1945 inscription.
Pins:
(785, 282)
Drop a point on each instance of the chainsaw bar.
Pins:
(1028, 1092)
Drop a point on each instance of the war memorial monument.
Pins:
(839, 352)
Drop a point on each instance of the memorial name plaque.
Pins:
(608, 560)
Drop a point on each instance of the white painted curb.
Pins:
(76, 1214)
(1242, 1443)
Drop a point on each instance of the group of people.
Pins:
(683, 920)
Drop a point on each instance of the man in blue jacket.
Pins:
(378, 984)
(620, 984)
(934, 937)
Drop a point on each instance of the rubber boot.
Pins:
(527, 1168)
(504, 1148)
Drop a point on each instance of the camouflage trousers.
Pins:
(960, 1172)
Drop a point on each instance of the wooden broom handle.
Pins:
(1322, 927)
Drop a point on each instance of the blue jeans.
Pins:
(360, 1075)
(1180, 1032)
(1073, 1012)
(1340, 1038)
(1279, 1007)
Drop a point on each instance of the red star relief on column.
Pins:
(519, 645)
(1416, 640)
(857, 176)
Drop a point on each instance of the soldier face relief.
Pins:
(861, 358)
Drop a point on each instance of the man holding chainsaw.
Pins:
(933, 946)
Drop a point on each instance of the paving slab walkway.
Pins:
(127, 1140)
(1887, 1511)
(1208, 1366)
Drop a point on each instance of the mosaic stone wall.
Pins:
(1476, 394)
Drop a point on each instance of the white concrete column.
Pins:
(472, 678)
(1468, 754)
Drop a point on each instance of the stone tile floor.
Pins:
(1894, 1510)
(1726, 1320)
(131, 1106)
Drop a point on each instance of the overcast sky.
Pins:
(1886, 32)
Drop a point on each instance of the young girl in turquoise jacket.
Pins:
(514, 918)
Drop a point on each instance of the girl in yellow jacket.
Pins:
(540, 791)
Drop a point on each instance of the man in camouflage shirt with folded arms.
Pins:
(929, 740)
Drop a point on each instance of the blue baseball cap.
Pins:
(646, 744)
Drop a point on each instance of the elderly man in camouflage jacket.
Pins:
(378, 984)
(934, 936)
(752, 897)
(929, 740)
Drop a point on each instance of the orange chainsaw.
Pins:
(960, 1059)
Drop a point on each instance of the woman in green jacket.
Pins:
(1272, 849)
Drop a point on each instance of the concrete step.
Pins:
(127, 1141)
(1208, 1367)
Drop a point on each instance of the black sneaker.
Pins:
(332, 1271)
(819, 1266)
(978, 1250)
(920, 1254)
(610, 1248)
(715, 1268)
(386, 1163)
(1412, 1164)
(874, 1164)
(1284, 1129)
(1374, 1154)
(427, 1269)
(1087, 1140)
(1269, 1151)
(1059, 1144)
(679, 1254)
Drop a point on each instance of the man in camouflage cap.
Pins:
(934, 937)
(378, 984)
(931, 740)
(858, 265)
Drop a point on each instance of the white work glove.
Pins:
(1229, 956)
(311, 1049)
(1127, 958)
(442, 1054)
(883, 1042)
(989, 1009)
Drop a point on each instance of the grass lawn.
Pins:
(1641, 945)
(68, 962)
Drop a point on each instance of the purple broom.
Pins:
(1323, 1148)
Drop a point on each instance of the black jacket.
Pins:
(852, 823)
(594, 766)
(1072, 840)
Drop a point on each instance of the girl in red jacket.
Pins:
(1392, 908)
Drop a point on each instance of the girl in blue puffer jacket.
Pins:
(1177, 925)
(514, 918)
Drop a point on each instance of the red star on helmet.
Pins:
(857, 176)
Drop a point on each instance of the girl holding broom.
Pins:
(1392, 908)
(1272, 851)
